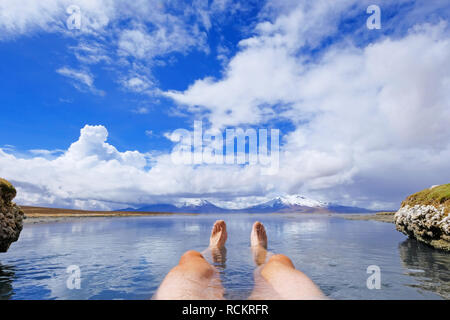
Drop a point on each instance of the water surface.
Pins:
(127, 258)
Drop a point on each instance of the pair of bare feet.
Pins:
(195, 278)
(258, 242)
(219, 235)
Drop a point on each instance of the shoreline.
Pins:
(387, 217)
(50, 218)
(38, 215)
(34, 215)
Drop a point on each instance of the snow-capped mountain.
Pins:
(198, 206)
(186, 206)
(192, 203)
(288, 203)
(298, 200)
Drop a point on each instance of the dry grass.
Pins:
(385, 213)
(6, 187)
(437, 196)
(39, 212)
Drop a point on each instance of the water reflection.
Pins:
(429, 267)
(7, 275)
(127, 258)
(220, 257)
(217, 257)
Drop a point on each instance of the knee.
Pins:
(281, 258)
(189, 255)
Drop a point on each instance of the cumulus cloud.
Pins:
(93, 170)
(267, 70)
(364, 116)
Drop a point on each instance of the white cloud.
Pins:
(145, 45)
(82, 79)
(371, 122)
(149, 133)
(81, 76)
(91, 53)
(21, 17)
(137, 43)
(137, 83)
(266, 71)
(106, 36)
(141, 110)
(367, 116)
(45, 153)
(93, 170)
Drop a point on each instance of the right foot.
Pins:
(258, 236)
(218, 235)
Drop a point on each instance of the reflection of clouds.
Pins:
(305, 227)
(192, 227)
(430, 267)
(127, 258)
(119, 258)
(77, 227)
(118, 266)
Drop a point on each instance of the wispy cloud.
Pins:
(82, 80)
(141, 110)
(104, 37)
(137, 83)
(81, 76)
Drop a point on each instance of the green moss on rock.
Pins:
(438, 196)
(7, 190)
(425, 216)
(11, 216)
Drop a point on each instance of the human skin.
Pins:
(194, 278)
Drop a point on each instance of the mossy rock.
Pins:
(425, 216)
(438, 196)
(7, 190)
(11, 216)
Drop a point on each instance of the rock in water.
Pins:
(11, 216)
(425, 216)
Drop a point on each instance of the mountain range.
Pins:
(290, 203)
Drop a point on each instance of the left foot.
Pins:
(218, 235)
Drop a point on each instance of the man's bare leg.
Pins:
(278, 278)
(194, 278)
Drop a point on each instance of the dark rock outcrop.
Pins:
(425, 216)
(11, 216)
